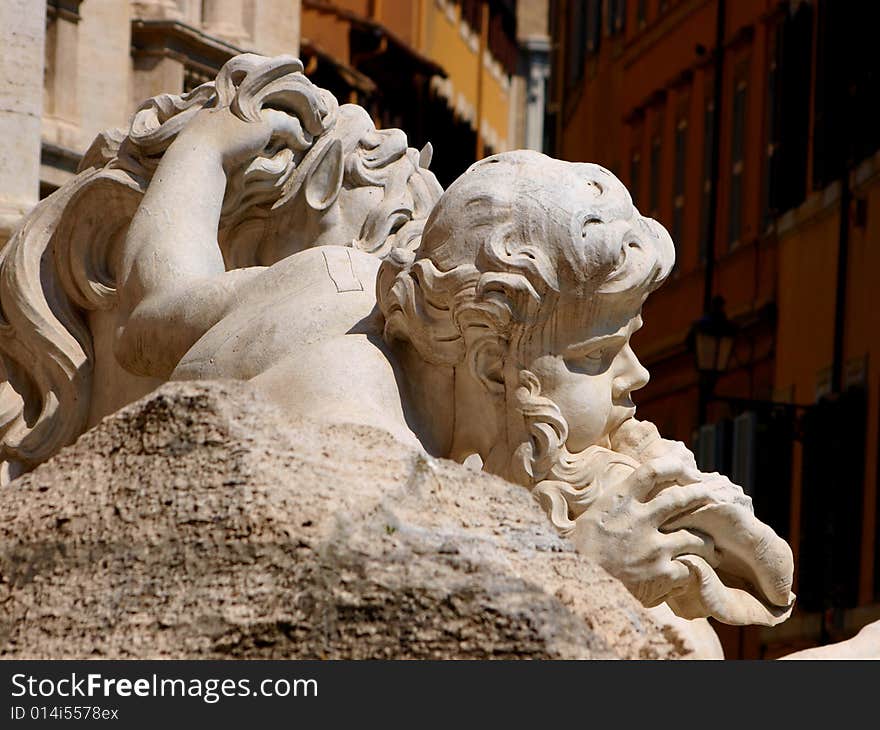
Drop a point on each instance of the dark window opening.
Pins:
(847, 85)
(577, 42)
(679, 184)
(502, 42)
(635, 169)
(677, 231)
(831, 525)
(654, 192)
(737, 155)
(771, 123)
(706, 193)
(594, 25)
(616, 20)
(788, 114)
(680, 153)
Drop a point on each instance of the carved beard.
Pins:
(751, 585)
(564, 483)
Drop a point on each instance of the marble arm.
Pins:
(864, 645)
(174, 286)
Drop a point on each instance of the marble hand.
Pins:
(622, 528)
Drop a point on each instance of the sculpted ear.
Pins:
(426, 155)
(486, 364)
(325, 178)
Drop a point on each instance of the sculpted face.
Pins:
(582, 357)
(345, 220)
(590, 381)
(359, 186)
(383, 186)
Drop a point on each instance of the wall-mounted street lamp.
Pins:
(711, 339)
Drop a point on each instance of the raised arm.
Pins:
(174, 286)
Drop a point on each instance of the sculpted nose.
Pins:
(631, 374)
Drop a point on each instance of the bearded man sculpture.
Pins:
(505, 335)
(523, 297)
(263, 233)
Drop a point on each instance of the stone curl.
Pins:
(501, 257)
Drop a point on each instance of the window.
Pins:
(846, 86)
(642, 13)
(594, 25)
(616, 20)
(654, 192)
(577, 41)
(706, 197)
(737, 156)
(678, 186)
(788, 113)
(193, 77)
(472, 14)
(635, 171)
(771, 121)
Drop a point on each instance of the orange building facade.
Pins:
(442, 70)
(633, 88)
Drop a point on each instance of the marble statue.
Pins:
(305, 172)
(255, 230)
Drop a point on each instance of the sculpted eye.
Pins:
(595, 358)
(591, 221)
(590, 363)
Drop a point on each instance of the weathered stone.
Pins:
(200, 522)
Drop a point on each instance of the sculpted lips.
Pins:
(623, 410)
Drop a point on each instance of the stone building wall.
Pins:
(21, 65)
(71, 68)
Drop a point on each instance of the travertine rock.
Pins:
(201, 522)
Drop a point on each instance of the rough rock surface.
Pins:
(199, 523)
